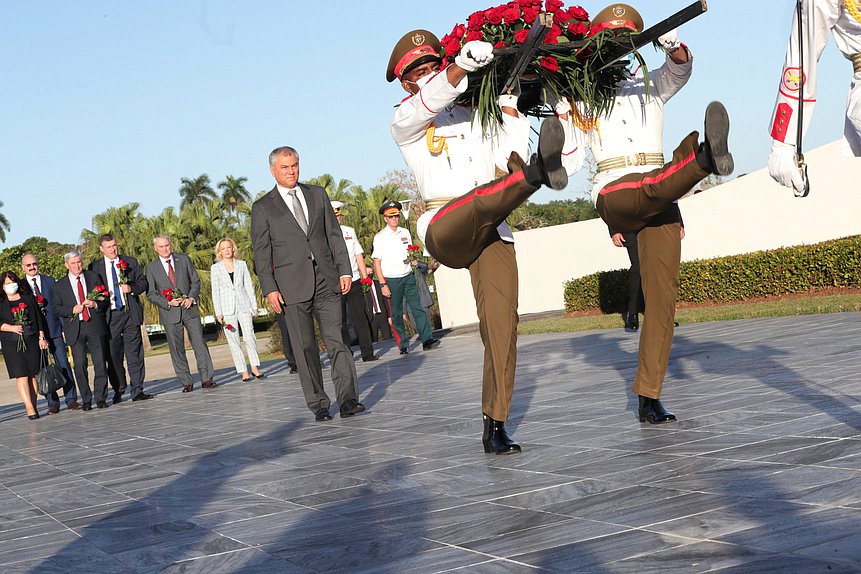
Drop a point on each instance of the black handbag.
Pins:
(50, 378)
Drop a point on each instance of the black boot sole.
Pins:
(716, 134)
(551, 138)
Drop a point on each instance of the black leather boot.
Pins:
(496, 439)
(713, 154)
(653, 411)
(545, 167)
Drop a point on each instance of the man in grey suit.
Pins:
(174, 272)
(301, 260)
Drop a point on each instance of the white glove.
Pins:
(670, 41)
(474, 55)
(783, 167)
(507, 100)
(562, 107)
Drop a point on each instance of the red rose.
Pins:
(560, 17)
(520, 36)
(451, 46)
(459, 31)
(578, 28)
(550, 64)
(121, 264)
(553, 35)
(500, 44)
(552, 5)
(20, 307)
(476, 21)
(511, 14)
(366, 281)
(530, 13)
(578, 13)
(40, 300)
(167, 294)
(493, 15)
(474, 36)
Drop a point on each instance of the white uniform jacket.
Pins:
(232, 297)
(635, 125)
(818, 17)
(354, 248)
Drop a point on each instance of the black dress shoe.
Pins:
(187, 388)
(652, 411)
(293, 369)
(713, 155)
(545, 167)
(404, 351)
(101, 404)
(351, 407)
(496, 439)
(371, 358)
(33, 417)
(208, 384)
(86, 407)
(141, 396)
(632, 322)
(322, 415)
(118, 398)
(73, 406)
(53, 409)
(430, 344)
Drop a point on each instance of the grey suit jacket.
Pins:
(282, 251)
(187, 281)
(232, 297)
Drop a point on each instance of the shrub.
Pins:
(835, 263)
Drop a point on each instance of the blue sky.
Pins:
(104, 103)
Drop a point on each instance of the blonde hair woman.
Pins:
(235, 305)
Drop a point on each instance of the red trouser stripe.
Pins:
(670, 171)
(515, 177)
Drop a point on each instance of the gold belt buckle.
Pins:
(637, 159)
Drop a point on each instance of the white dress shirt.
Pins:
(289, 200)
(110, 279)
(390, 247)
(354, 248)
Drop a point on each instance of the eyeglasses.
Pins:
(31, 265)
(391, 216)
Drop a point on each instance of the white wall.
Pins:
(747, 214)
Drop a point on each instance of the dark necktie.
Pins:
(36, 290)
(170, 274)
(297, 210)
(118, 297)
(81, 295)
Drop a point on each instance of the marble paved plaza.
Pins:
(762, 473)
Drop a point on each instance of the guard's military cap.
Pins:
(337, 206)
(617, 17)
(391, 207)
(414, 49)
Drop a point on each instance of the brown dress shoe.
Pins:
(208, 384)
(53, 409)
(74, 406)
(187, 388)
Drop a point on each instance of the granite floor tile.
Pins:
(806, 530)
(246, 561)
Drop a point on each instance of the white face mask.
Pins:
(422, 82)
(10, 288)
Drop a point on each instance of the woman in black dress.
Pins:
(22, 365)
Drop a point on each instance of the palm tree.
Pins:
(4, 225)
(233, 192)
(340, 191)
(195, 190)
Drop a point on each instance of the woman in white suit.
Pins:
(235, 305)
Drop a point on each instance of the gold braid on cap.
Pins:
(853, 9)
(436, 144)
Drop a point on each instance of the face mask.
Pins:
(11, 288)
(422, 82)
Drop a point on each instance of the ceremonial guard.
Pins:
(806, 42)
(455, 164)
(636, 192)
(397, 282)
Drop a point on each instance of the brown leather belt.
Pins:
(437, 202)
(631, 160)
(856, 62)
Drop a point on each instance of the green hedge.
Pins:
(835, 263)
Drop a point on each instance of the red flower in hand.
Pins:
(167, 294)
(230, 327)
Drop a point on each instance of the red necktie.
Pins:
(82, 296)
(170, 274)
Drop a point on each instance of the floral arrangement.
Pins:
(366, 283)
(414, 253)
(19, 313)
(564, 67)
(98, 293)
(171, 294)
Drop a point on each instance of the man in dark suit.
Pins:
(286, 348)
(43, 285)
(174, 272)
(303, 266)
(84, 327)
(123, 277)
(378, 310)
